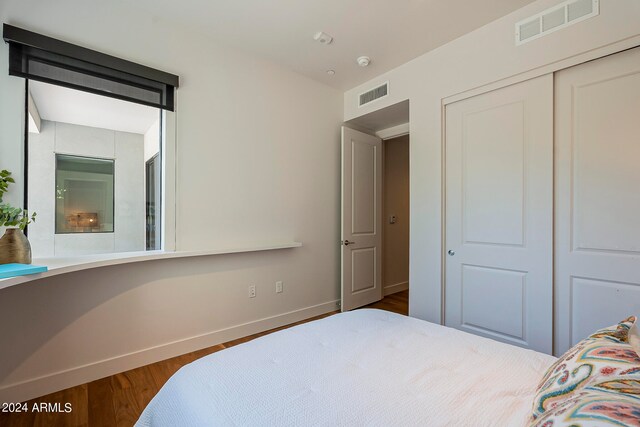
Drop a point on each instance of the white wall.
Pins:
(484, 56)
(127, 149)
(257, 161)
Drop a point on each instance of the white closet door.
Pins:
(499, 213)
(597, 251)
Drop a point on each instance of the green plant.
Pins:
(9, 215)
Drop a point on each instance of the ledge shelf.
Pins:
(63, 265)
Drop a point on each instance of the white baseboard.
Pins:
(397, 287)
(40, 386)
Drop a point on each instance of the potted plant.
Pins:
(14, 245)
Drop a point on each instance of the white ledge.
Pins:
(63, 265)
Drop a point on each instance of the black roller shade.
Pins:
(46, 59)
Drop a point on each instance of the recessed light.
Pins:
(331, 72)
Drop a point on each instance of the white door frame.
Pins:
(394, 132)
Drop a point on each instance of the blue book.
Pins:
(13, 270)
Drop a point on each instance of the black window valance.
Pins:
(46, 59)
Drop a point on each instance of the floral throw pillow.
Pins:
(597, 382)
(618, 333)
(634, 338)
(593, 409)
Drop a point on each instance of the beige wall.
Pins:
(395, 256)
(257, 162)
(484, 56)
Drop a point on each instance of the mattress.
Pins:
(365, 367)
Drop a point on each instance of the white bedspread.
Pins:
(361, 368)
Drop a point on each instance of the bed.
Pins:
(366, 367)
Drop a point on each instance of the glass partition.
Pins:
(84, 195)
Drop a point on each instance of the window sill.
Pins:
(63, 265)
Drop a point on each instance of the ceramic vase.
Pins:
(15, 247)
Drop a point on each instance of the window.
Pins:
(95, 160)
(84, 195)
(94, 174)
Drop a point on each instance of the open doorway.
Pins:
(375, 209)
(395, 207)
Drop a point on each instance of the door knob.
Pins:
(451, 253)
(347, 243)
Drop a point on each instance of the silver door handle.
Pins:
(451, 253)
(347, 243)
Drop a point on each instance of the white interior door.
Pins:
(361, 219)
(597, 195)
(499, 213)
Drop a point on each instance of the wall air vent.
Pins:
(555, 18)
(373, 94)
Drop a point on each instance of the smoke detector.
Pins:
(323, 37)
(363, 61)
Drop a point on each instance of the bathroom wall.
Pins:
(127, 149)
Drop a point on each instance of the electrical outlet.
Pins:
(252, 291)
(279, 287)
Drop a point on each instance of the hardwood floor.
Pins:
(118, 400)
(398, 303)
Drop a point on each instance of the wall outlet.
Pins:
(252, 291)
(279, 287)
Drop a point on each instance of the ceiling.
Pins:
(391, 32)
(59, 104)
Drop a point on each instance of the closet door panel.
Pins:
(597, 250)
(499, 214)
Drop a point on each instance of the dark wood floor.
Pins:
(118, 400)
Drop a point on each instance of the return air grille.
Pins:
(555, 18)
(373, 94)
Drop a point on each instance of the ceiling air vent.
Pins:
(555, 18)
(373, 94)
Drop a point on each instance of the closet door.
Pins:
(597, 252)
(499, 214)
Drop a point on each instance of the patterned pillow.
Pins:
(634, 338)
(590, 408)
(598, 380)
(617, 333)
